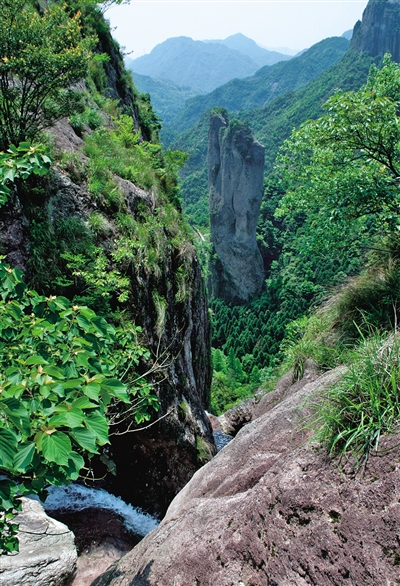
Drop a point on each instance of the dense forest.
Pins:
(305, 259)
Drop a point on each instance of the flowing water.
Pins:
(76, 498)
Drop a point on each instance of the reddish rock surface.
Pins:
(271, 510)
(101, 539)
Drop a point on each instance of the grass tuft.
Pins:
(365, 403)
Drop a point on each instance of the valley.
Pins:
(200, 282)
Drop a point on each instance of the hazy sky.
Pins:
(296, 24)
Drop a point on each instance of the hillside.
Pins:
(202, 66)
(271, 124)
(167, 97)
(91, 222)
(267, 84)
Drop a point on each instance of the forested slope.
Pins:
(267, 84)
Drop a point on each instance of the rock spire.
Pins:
(235, 179)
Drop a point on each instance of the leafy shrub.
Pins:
(19, 163)
(59, 379)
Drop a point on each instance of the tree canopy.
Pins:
(345, 166)
(41, 56)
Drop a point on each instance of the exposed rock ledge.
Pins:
(270, 510)
(47, 555)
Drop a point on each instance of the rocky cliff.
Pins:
(235, 179)
(379, 31)
(272, 510)
(48, 221)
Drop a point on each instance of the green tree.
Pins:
(41, 56)
(343, 169)
(218, 361)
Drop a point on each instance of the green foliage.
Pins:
(346, 164)
(19, 163)
(230, 384)
(119, 150)
(364, 404)
(42, 55)
(60, 379)
(311, 337)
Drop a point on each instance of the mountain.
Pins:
(266, 84)
(167, 97)
(348, 34)
(250, 48)
(197, 64)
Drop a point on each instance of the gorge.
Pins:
(267, 295)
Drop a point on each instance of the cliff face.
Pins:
(166, 294)
(379, 31)
(235, 179)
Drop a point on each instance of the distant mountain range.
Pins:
(266, 84)
(204, 65)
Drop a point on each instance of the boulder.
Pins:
(236, 417)
(235, 180)
(47, 554)
(271, 509)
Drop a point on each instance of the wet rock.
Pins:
(271, 509)
(101, 539)
(47, 554)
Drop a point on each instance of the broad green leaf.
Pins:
(83, 322)
(87, 313)
(75, 465)
(74, 383)
(36, 360)
(8, 490)
(54, 372)
(16, 413)
(116, 389)
(8, 447)
(24, 457)
(83, 403)
(56, 447)
(86, 438)
(92, 390)
(70, 418)
(99, 426)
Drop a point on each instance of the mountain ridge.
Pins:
(200, 65)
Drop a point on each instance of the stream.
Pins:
(105, 526)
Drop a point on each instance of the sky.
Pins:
(295, 24)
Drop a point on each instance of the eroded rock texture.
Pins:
(379, 31)
(271, 510)
(235, 178)
(47, 555)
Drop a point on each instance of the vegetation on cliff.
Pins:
(69, 338)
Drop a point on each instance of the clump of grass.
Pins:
(99, 224)
(311, 337)
(365, 403)
(373, 298)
